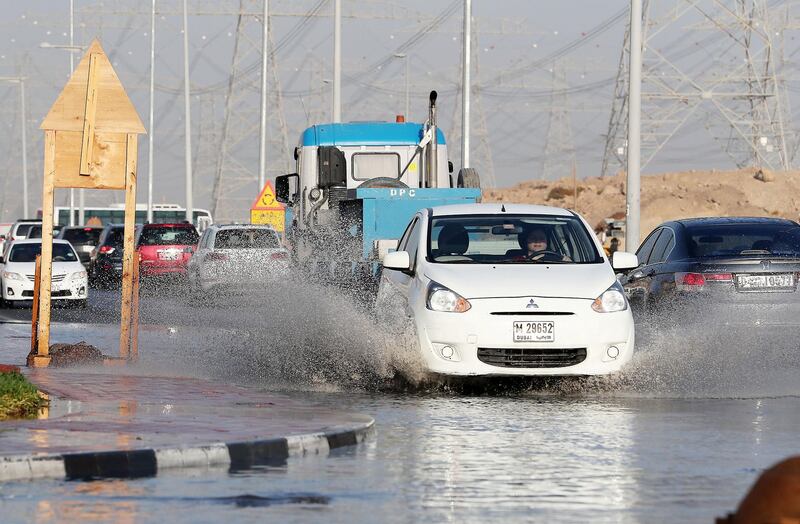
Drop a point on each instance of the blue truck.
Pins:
(356, 188)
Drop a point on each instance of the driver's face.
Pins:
(536, 241)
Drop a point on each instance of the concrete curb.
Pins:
(139, 463)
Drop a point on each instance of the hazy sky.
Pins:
(521, 46)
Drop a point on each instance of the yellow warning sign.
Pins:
(267, 210)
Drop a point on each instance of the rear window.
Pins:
(246, 239)
(168, 236)
(722, 240)
(115, 237)
(24, 229)
(28, 252)
(82, 236)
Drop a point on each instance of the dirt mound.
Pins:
(667, 196)
(74, 354)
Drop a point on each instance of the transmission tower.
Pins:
(559, 150)
(722, 75)
(236, 180)
(481, 156)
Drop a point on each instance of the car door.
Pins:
(637, 281)
(393, 293)
(656, 264)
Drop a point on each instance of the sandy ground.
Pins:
(667, 196)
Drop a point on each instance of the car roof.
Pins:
(499, 209)
(66, 228)
(171, 224)
(39, 241)
(726, 221)
(242, 226)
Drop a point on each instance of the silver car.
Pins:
(237, 257)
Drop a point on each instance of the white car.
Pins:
(68, 283)
(237, 257)
(506, 289)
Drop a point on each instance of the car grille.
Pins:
(55, 278)
(533, 313)
(532, 357)
(54, 294)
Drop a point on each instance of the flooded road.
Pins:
(679, 438)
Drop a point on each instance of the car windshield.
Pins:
(168, 236)
(720, 240)
(246, 239)
(82, 236)
(512, 239)
(28, 252)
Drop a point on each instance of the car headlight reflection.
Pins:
(441, 298)
(79, 275)
(611, 300)
(10, 275)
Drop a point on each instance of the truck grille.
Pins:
(532, 357)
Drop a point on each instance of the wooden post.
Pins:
(90, 114)
(135, 311)
(128, 247)
(43, 354)
(37, 282)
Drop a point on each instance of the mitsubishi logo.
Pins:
(532, 304)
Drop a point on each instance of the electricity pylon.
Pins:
(559, 150)
(236, 180)
(733, 90)
(481, 156)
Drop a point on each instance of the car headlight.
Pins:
(441, 298)
(611, 300)
(79, 275)
(12, 276)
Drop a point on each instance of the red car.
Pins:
(165, 249)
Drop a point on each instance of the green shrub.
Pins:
(18, 397)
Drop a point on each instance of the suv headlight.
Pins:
(441, 298)
(10, 275)
(79, 275)
(611, 300)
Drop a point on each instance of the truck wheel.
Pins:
(383, 181)
(468, 177)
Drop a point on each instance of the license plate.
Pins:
(168, 254)
(749, 282)
(535, 331)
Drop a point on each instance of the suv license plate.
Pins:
(541, 331)
(781, 281)
(169, 254)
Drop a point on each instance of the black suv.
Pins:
(105, 261)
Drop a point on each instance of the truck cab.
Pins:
(357, 184)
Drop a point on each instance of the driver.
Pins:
(535, 246)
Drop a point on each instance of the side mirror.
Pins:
(622, 261)
(449, 166)
(397, 260)
(282, 188)
(2, 260)
(384, 246)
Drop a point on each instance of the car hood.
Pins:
(586, 281)
(29, 268)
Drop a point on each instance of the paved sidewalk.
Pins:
(176, 421)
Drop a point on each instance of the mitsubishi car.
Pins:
(506, 289)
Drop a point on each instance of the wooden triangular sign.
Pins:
(114, 111)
